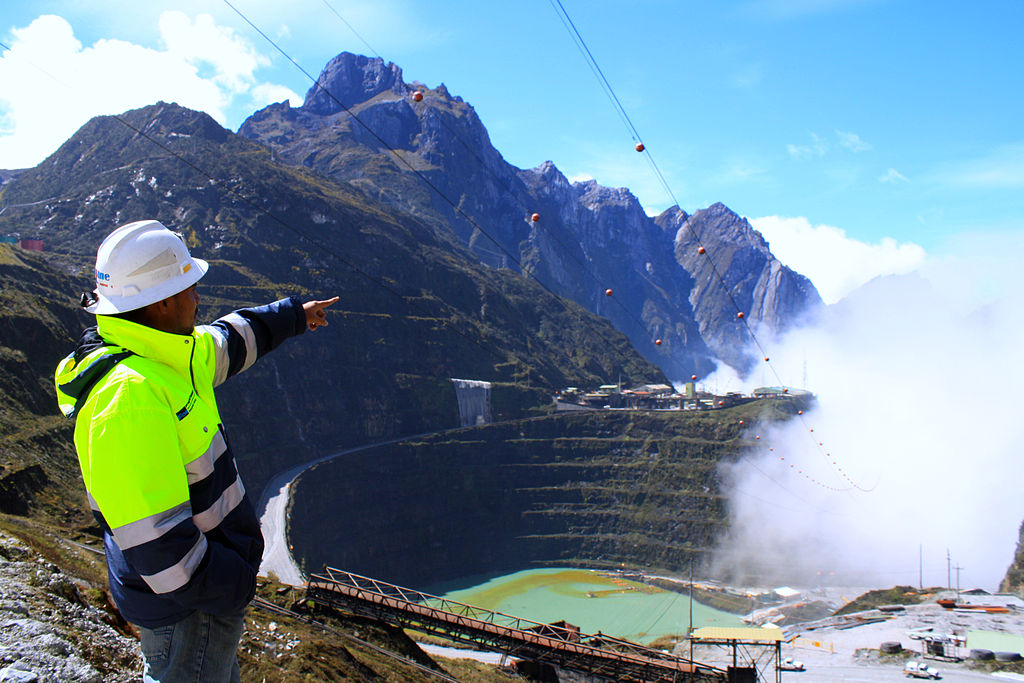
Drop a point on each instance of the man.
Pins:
(182, 540)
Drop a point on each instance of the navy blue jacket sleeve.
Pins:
(242, 337)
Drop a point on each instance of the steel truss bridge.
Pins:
(560, 645)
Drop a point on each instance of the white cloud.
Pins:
(835, 263)
(817, 148)
(917, 405)
(204, 67)
(852, 142)
(580, 178)
(269, 93)
(206, 46)
(892, 176)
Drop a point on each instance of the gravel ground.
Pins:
(851, 654)
(49, 632)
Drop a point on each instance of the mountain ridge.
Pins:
(414, 310)
(588, 238)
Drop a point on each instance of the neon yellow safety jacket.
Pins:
(179, 530)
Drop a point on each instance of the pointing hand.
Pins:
(315, 315)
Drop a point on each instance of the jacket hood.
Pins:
(88, 342)
(77, 374)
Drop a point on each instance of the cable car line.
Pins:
(639, 146)
(552, 234)
(420, 175)
(351, 28)
(588, 56)
(702, 250)
(595, 67)
(319, 245)
(325, 248)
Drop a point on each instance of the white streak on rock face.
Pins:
(287, 402)
(474, 401)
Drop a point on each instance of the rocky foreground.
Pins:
(54, 627)
(57, 625)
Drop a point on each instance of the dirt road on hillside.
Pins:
(272, 509)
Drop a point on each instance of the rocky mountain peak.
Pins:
(548, 174)
(764, 289)
(593, 195)
(671, 218)
(352, 79)
(548, 183)
(584, 227)
(719, 222)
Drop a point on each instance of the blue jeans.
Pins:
(201, 648)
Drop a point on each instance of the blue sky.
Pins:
(864, 132)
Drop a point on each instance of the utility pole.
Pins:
(949, 584)
(957, 567)
(920, 566)
(689, 630)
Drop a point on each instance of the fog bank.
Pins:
(918, 385)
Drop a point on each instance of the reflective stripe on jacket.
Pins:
(180, 532)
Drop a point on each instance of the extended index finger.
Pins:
(326, 302)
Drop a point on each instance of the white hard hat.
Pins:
(139, 264)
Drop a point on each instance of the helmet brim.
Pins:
(122, 304)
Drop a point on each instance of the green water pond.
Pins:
(593, 600)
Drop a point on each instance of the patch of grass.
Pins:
(50, 543)
(897, 595)
(280, 648)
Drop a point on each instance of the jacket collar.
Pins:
(174, 350)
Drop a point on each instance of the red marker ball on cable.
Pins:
(535, 217)
(657, 342)
(700, 250)
(608, 292)
(417, 95)
(639, 146)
